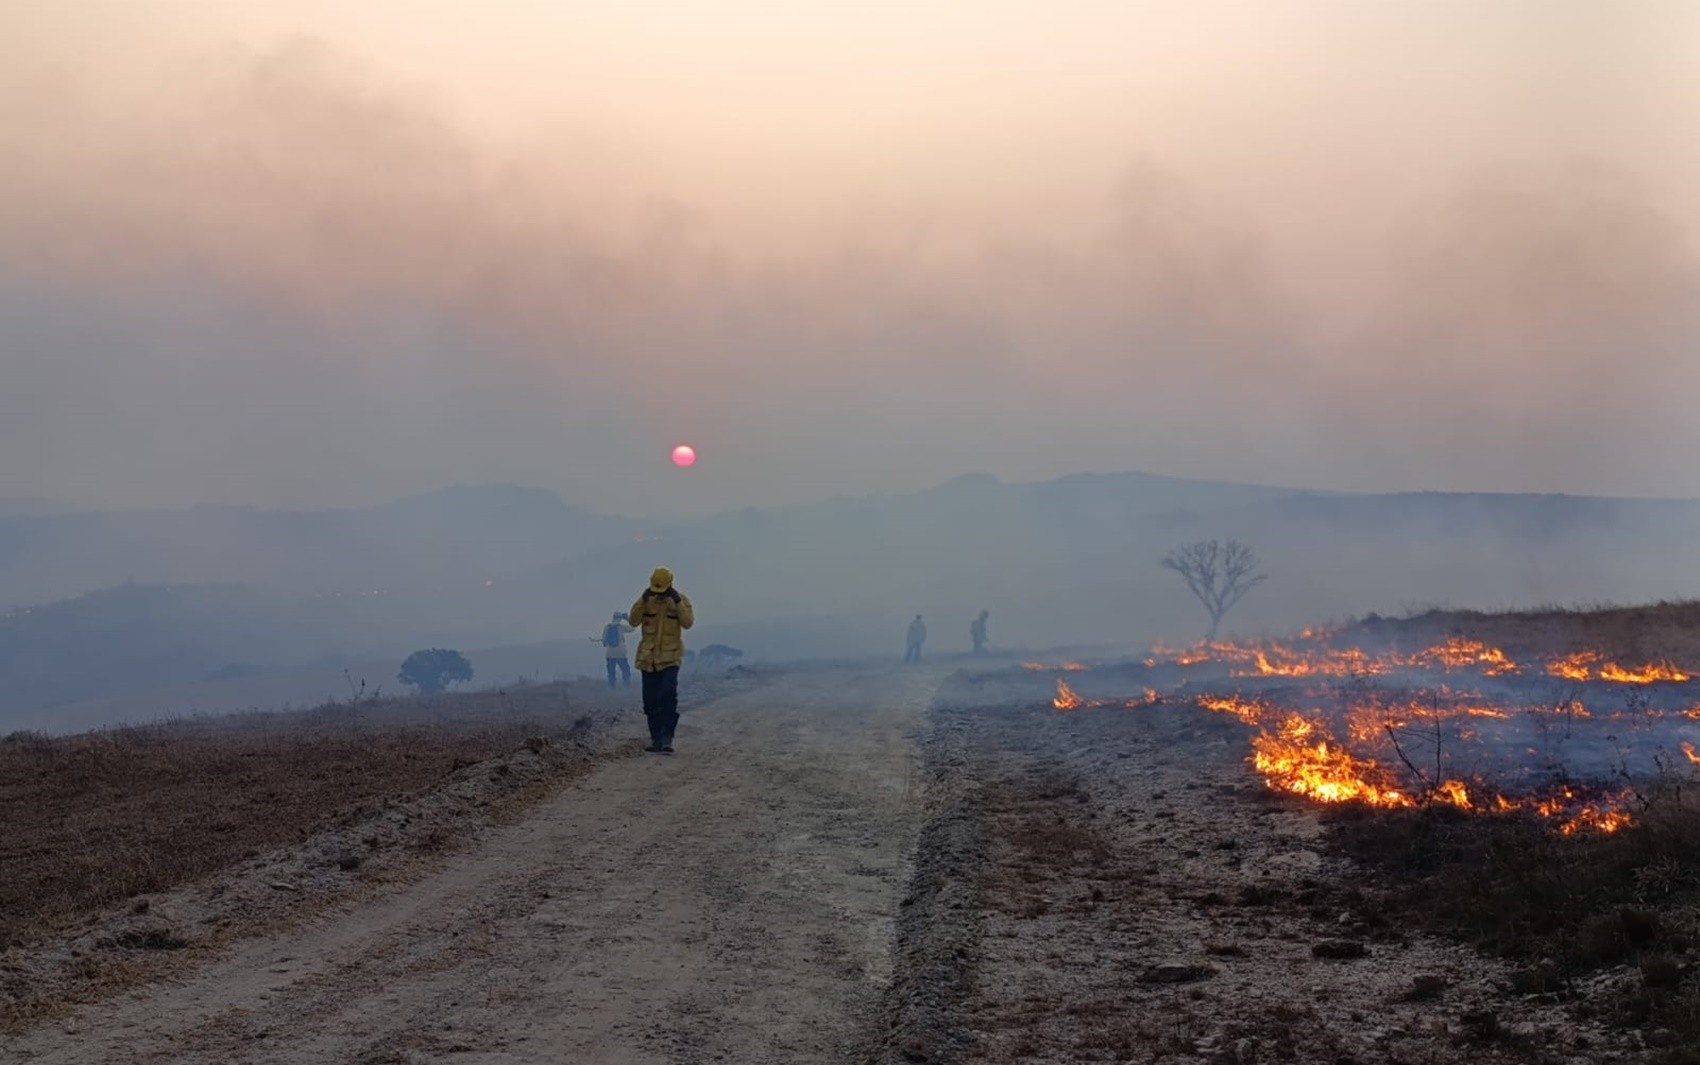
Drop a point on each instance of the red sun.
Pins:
(684, 456)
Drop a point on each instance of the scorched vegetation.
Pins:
(1502, 861)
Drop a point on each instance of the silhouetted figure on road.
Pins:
(663, 615)
(917, 637)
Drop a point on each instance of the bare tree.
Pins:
(1219, 572)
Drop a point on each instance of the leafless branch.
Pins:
(1399, 749)
(1219, 573)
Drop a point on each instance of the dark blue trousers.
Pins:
(661, 704)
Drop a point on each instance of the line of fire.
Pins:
(1576, 739)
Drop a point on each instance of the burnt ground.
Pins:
(1119, 886)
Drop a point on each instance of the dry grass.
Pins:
(1563, 907)
(96, 819)
(1656, 632)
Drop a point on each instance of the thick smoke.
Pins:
(434, 301)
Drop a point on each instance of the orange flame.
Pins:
(1486, 711)
(1276, 659)
(1248, 710)
(1653, 671)
(1578, 666)
(1322, 770)
(1596, 818)
(1688, 749)
(1299, 752)
(1066, 699)
(1461, 653)
(1584, 665)
(1301, 755)
(1454, 792)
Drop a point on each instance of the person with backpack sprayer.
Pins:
(613, 641)
(664, 615)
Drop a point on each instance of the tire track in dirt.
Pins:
(733, 903)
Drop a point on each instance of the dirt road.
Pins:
(735, 902)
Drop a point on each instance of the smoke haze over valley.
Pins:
(263, 267)
(127, 615)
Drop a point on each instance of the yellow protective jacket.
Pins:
(663, 617)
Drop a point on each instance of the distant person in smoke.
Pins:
(663, 615)
(917, 637)
(614, 648)
(977, 633)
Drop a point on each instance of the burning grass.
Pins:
(1068, 699)
(1587, 665)
(1460, 722)
(1529, 784)
(1633, 636)
(96, 819)
(1520, 796)
(1314, 658)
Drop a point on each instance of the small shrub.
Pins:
(432, 671)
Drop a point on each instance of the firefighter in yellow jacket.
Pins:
(663, 614)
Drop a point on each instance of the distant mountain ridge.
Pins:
(454, 535)
(489, 529)
(496, 529)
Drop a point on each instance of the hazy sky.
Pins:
(326, 252)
